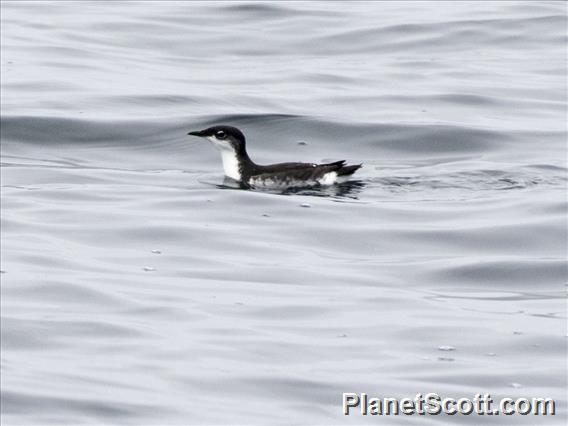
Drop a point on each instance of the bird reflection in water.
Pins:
(350, 189)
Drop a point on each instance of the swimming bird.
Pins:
(237, 165)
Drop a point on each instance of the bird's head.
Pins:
(224, 138)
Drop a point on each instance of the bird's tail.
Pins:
(348, 170)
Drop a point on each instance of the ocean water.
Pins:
(138, 287)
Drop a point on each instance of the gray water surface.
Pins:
(138, 288)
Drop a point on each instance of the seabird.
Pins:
(231, 143)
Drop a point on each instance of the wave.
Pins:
(271, 134)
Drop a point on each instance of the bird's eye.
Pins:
(220, 134)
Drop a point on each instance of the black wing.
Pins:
(303, 171)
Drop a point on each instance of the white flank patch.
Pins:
(270, 183)
(229, 157)
(267, 183)
(328, 179)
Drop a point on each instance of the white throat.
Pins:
(229, 157)
(231, 164)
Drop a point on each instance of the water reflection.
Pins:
(350, 189)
